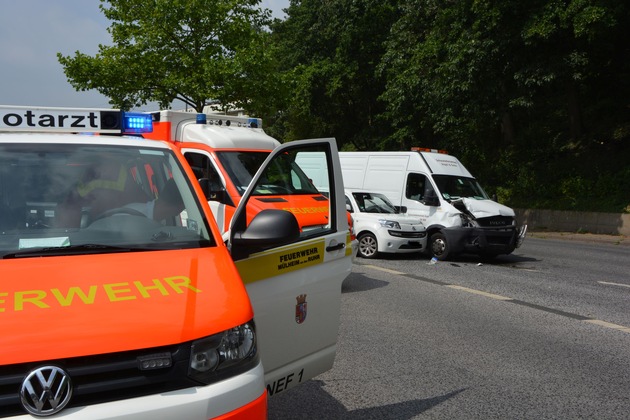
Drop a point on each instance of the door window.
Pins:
(417, 187)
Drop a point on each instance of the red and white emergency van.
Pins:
(120, 299)
(225, 152)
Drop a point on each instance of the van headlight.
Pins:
(389, 224)
(467, 220)
(211, 356)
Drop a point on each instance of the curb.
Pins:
(621, 240)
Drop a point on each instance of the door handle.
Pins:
(337, 247)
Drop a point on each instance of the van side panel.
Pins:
(353, 166)
(386, 174)
(378, 173)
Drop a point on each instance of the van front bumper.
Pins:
(483, 240)
(237, 398)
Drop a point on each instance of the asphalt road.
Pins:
(541, 334)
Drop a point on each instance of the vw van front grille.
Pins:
(108, 377)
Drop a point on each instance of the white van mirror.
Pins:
(430, 198)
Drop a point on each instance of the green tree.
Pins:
(531, 95)
(194, 51)
(329, 51)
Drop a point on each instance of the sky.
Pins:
(32, 32)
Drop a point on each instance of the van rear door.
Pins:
(295, 288)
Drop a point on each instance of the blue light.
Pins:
(254, 123)
(137, 122)
(201, 118)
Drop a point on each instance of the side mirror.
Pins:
(349, 208)
(214, 191)
(431, 199)
(269, 228)
(401, 209)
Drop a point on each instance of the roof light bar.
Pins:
(137, 123)
(71, 120)
(426, 149)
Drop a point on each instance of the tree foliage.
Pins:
(194, 51)
(532, 96)
(330, 50)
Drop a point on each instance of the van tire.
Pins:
(438, 246)
(368, 245)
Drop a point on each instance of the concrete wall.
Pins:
(572, 221)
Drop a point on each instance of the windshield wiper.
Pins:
(68, 250)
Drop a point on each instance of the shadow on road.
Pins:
(357, 282)
(311, 401)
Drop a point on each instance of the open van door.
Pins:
(294, 287)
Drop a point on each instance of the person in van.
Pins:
(107, 187)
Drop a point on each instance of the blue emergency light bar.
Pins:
(136, 123)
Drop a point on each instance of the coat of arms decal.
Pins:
(300, 309)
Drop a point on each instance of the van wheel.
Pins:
(439, 246)
(368, 246)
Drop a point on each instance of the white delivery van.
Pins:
(435, 187)
(380, 228)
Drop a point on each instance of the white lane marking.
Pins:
(387, 270)
(614, 284)
(608, 325)
(479, 292)
(504, 298)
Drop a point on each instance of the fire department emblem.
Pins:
(300, 309)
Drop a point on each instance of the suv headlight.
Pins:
(211, 355)
(389, 224)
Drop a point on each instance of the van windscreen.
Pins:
(453, 187)
(63, 199)
(283, 177)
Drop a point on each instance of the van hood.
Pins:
(484, 208)
(68, 306)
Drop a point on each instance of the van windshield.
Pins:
(454, 187)
(62, 199)
(283, 177)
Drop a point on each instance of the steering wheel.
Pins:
(119, 210)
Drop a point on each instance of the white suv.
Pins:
(379, 226)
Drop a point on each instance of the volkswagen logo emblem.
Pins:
(46, 391)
